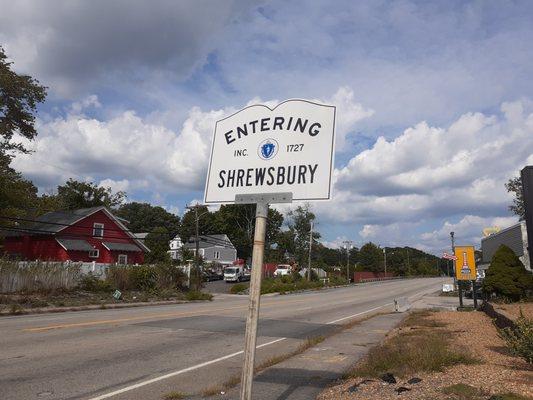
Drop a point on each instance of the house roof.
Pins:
(206, 241)
(116, 246)
(76, 245)
(54, 222)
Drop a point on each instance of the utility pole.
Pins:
(408, 263)
(197, 242)
(385, 260)
(310, 248)
(348, 245)
(459, 287)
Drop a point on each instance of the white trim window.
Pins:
(216, 255)
(98, 230)
(95, 253)
(122, 259)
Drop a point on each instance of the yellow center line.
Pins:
(146, 317)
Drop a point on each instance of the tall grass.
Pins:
(37, 276)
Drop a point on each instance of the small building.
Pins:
(214, 249)
(514, 237)
(175, 247)
(141, 236)
(86, 235)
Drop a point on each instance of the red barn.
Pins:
(88, 234)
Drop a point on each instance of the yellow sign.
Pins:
(465, 265)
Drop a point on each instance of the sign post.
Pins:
(465, 268)
(262, 155)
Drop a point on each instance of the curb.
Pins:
(91, 307)
(501, 318)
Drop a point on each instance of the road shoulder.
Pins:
(305, 375)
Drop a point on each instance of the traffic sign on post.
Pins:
(266, 155)
(465, 264)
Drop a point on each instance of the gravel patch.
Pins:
(497, 373)
(514, 309)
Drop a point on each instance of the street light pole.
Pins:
(348, 245)
(197, 243)
(385, 260)
(459, 288)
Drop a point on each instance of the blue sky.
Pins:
(434, 100)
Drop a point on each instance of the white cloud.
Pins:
(429, 172)
(348, 114)
(124, 148)
(116, 186)
(468, 231)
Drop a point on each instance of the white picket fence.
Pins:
(34, 276)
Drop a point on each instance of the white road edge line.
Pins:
(205, 364)
(182, 371)
(356, 315)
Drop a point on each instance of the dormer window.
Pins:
(98, 230)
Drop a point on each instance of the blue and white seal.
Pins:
(268, 149)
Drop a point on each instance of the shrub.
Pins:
(238, 287)
(91, 283)
(520, 339)
(169, 276)
(507, 277)
(143, 277)
(197, 295)
(119, 277)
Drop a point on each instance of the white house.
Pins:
(175, 247)
(214, 248)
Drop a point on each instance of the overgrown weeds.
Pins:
(520, 339)
(236, 379)
(197, 295)
(415, 349)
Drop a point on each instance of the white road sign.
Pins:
(260, 150)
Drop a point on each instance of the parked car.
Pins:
(234, 274)
(283, 269)
(212, 276)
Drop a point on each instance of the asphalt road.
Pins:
(144, 353)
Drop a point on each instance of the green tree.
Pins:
(157, 241)
(19, 96)
(74, 194)
(188, 223)
(507, 276)
(144, 217)
(371, 258)
(514, 185)
(299, 223)
(238, 222)
(18, 196)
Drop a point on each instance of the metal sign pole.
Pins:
(250, 337)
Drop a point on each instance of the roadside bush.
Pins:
(337, 280)
(119, 277)
(197, 295)
(520, 339)
(238, 287)
(169, 276)
(143, 277)
(91, 283)
(295, 276)
(507, 277)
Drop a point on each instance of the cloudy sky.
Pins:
(434, 100)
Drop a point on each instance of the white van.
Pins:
(283, 269)
(233, 274)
